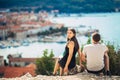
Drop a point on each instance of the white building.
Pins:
(3, 32)
(21, 61)
(20, 35)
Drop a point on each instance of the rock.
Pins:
(79, 76)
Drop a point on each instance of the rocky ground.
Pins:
(79, 76)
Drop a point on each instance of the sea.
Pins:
(108, 25)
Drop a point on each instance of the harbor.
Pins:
(34, 44)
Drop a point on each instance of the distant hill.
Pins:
(67, 6)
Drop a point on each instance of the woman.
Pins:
(69, 60)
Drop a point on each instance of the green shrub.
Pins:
(118, 63)
(114, 58)
(45, 64)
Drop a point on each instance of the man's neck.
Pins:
(95, 42)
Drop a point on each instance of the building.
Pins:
(21, 34)
(27, 64)
(3, 32)
(1, 61)
(21, 61)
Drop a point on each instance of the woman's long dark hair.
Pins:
(74, 39)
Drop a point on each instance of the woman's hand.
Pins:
(66, 69)
(82, 67)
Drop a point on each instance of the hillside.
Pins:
(67, 6)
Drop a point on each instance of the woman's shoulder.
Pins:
(71, 43)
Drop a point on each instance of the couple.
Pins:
(95, 55)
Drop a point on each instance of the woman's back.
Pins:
(64, 59)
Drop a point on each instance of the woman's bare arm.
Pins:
(71, 48)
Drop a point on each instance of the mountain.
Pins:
(67, 6)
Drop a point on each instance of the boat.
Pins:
(61, 42)
(15, 44)
(25, 43)
(2, 46)
(47, 39)
(61, 39)
(85, 30)
(89, 32)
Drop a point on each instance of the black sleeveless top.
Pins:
(63, 61)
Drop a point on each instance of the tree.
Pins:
(114, 59)
(45, 64)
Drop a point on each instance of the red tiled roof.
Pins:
(15, 27)
(2, 69)
(46, 23)
(22, 59)
(11, 72)
(19, 31)
(3, 28)
(31, 65)
(31, 22)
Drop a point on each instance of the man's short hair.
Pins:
(96, 37)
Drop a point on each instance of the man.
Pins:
(96, 56)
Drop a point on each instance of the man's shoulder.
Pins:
(103, 45)
(88, 45)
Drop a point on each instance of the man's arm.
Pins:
(83, 57)
(79, 55)
(106, 61)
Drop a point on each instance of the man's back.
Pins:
(95, 56)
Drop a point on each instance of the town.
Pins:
(23, 28)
